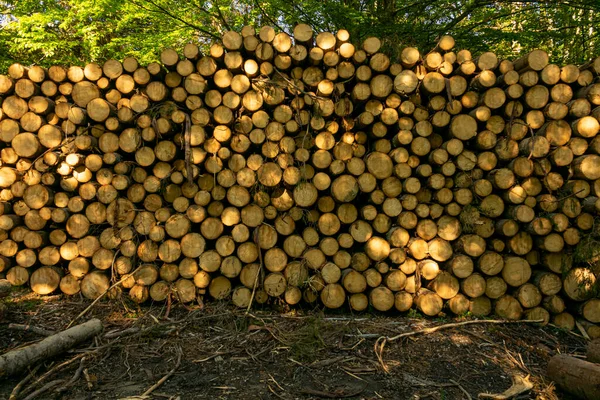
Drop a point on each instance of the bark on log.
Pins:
(17, 360)
(578, 377)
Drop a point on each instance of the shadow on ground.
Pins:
(217, 352)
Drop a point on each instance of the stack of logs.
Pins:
(305, 168)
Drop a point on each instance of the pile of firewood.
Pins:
(306, 169)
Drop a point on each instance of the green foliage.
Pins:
(78, 31)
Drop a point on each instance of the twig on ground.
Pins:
(44, 388)
(353, 375)
(31, 328)
(277, 383)
(364, 336)
(378, 348)
(567, 331)
(164, 378)
(433, 329)
(338, 394)
(274, 392)
(260, 266)
(52, 371)
(462, 389)
(17, 389)
(88, 308)
(582, 330)
(381, 342)
(75, 377)
(217, 354)
(88, 380)
(519, 385)
(168, 310)
(116, 334)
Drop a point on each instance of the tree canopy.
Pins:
(74, 32)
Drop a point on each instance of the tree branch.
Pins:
(499, 16)
(175, 17)
(221, 17)
(467, 11)
(581, 5)
(263, 12)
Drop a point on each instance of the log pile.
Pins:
(305, 169)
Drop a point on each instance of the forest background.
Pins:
(74, 32)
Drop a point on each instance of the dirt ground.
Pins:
(217, 352)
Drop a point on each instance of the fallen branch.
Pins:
(124, 332)
(75, 377)
(257, 273)
(164, 378)
(17, 360)
(217, 354)
(520, 385)
(382, 341)
(17, 389)
(414, 381)
(433, 329)
(31, 328)
(88, 308)
(44, 388)
(52, 371)
(462, 389)
(338, 394)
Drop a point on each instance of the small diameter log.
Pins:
(590, 310)
(17, 360)
(573, 375)
(593, 351)
(564, 320)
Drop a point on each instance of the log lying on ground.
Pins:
(575, 376)
(17, 360)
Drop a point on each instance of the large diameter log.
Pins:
(428, 302)
(579, 283)
(18, 360)
(573, 375)
(587, 167)
(509, 308)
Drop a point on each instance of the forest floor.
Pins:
(217, 352)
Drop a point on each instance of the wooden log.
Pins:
(17, 360)
(428, 302)
(508, 307)
(573, 375)
(590, 310)
(578, 284)
(333, 296)
(593, 351)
